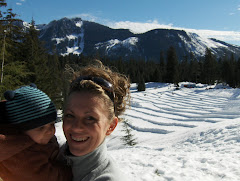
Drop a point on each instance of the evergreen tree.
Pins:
(233, 80)
(172, 75)
(201, 70)
(162, 66)
(128, 138)
(13, 70)
(44, 68)
(141, 83)
(54, 80)
(237, 76)
(34, 54)
(157, 76)
(132, 70)
(228, 71)
(194, 70)
(120, 65)
(3, 4)
(210, 67)
(184, 69)
(218, 69)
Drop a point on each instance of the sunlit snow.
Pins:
(127, 43)
(139, 27)
(199, 44)
(71, 37)
(79, 24)
(77, 47)
(58, 40)
(191, 134)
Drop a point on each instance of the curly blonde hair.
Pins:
(120, 83)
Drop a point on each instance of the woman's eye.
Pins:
(90, 120)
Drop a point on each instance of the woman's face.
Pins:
(85, 122)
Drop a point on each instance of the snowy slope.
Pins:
(67, 35)
(128, 43)
(198, 44)
(76, 36)
(114, 46)
(191, 134)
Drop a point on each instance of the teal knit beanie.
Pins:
(27, 108)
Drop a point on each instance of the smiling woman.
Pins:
(96, 98)
(86, 129)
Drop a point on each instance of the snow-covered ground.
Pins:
(191, 134)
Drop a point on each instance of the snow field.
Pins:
(191, 134)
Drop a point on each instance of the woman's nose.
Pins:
(77, 125)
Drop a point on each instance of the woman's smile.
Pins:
(79, 139)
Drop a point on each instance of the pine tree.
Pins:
(157, 76)
(237, 76)
(210, 67)
(194, 69)
(128, 138)
(141, 83)
(44, 68)
(132, 70)
(13, 70)
(232, 62)
(184, 69)
(162, 66)
(172, 75)
(54, 81)
(34, 54)
(228, 71)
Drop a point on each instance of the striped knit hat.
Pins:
(26, 108)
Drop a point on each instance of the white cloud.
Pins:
(227, 36)
(142, 27)
(138, 27)
(238, 8)
(20, 3)
(85, 16)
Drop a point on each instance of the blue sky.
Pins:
(219, 16)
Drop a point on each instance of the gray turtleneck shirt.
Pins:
(95, 166)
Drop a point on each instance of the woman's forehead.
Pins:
(84, 96)
(85, 101)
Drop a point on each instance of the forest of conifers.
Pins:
(24, 60)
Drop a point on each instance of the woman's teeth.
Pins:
(79, 138)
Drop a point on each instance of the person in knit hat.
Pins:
(28, 147)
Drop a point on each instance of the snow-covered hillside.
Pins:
(77, 36)
(199, 44)
(111, 45)
(191, 134)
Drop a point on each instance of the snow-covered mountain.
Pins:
(77, 36)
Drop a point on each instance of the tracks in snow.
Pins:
(167, 111)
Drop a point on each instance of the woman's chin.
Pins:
(79, 146)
